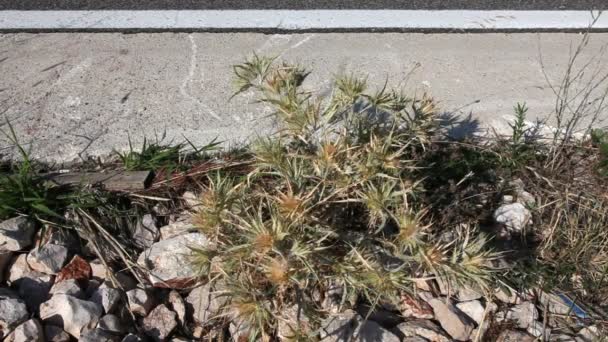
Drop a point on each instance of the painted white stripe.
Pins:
(299, 19)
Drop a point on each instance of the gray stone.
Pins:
(140, 301)
(68, 287)
(191, 200)
(445, 288)
(161, 209)
(72, 314)
(92, 286)
(126, 281)
(526, 198)
(485, 324)
(370, 330)
(491, 307)
(101, 274)
(205, 303)
(411, 306)
(333, 298)
(340, 327)
(514, 216)
(422, 284)
(524, 314)
(422, 328)
(537, 330)
(239, 329)
(53, 333)
(107, 297)
(293, 322)
(48, 258)
(169, 261)
(481, 331)
(178, 305)
(34, 289)
(414, 339)
(561, 338)
(507, 199)
(66, 238)
(111, 323)
(515, 336)
(146, 231)
(176, 228)
(508, 297)
(452, 320)
(466, 294)
(198, 332)
(5, 259)
(523, 197)
(13, 311)
(349, 326)
(132, 338)
(517, 185)
(588, 334)
(32, 286)
(98, 335)
(16, 233)
(88, 250)
(28, 331)
(98, 270)
(182, 216)
(473, 308)
(160, 323)
(18, 268)
(382, 314)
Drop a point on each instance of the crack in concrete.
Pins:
(297, 45)
(183, 88)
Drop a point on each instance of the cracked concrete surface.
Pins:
(72, 95)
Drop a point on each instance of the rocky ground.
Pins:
(55, 289)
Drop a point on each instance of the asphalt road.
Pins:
(304, 4)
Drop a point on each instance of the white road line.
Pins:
(298, 19)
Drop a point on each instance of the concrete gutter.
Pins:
(300, 20)
(72, 95)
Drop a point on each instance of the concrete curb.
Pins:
(301, 20)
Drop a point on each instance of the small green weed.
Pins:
(157, 155)
(102, 218)
(599, 138)
(518, 127)
(24, 192)
(521, 149)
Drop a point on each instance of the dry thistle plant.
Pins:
(331, 201)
